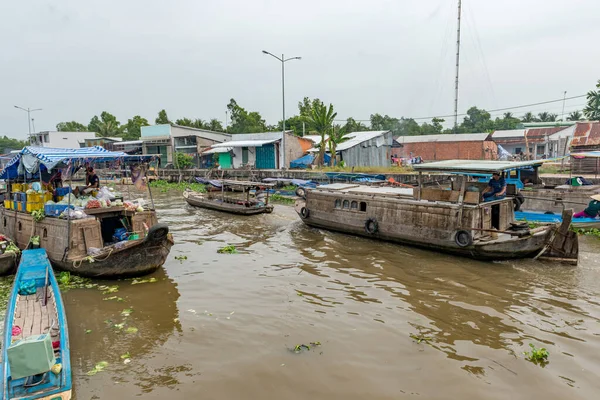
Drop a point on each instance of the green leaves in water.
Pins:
(537, 356)
(277, 198)
(98, 368)
(165, 186)
(230, 249)
(300, 347)
(66, 281)
(420, 338)
(137, 281)
(181, 259)
(587, 232)
(127, 312)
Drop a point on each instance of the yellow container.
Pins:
(34, 198)
(34, 206)
(47, 196)
(16, 187)
(8, 204)
(21, 206)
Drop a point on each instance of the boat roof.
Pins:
(586, 154)
(31, 158)
(227, 182)
(375, 190)
(483, 166)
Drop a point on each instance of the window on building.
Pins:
(363, 206)
(518, 150)
(338, 203)
(354, 205)
(346, 204)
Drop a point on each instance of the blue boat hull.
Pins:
(543, 218)
(35, 267)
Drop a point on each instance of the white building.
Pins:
(60, 140)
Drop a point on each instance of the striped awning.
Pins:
(32, 157)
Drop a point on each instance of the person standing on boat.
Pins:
(496, 189)
(592, 210)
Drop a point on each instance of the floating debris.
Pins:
(131, 329)
(110, 298)
(88, 331)
(181, 259)
(137, 281)
(125, 356)
(98, 368)
(108, 289)
(537, 356)
(420, 339)
(126, 312)
(230, 249)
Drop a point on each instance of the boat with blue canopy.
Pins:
(95, 234)
(35, 350)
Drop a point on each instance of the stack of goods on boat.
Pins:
(89, 230)
(35, 350)
(9, 254)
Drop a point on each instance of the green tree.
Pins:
(215, 125)
(592, 109)
(243, 121)
(338, 136)
(183, 161)
(133, 128)
(71, 126)
(528, 117)
(321, 120)
(435, 128)
(507, 122)
(353, 126)
(162, 118)
(546, 117)
(476, 121)
(575, 116)
(7, 144)
(105, 126)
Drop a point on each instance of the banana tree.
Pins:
(322, 118)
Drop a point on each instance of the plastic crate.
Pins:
(19, 197)
(34, 198)
(54, 210)
(63, 191)
(16, 187)
(34, 207)
(8, 204)
(47, 196)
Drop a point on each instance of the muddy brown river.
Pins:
(221, 326)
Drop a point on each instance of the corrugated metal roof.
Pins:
(536, 135)
(586, 134)
(567, 132)
(244, 143)
(484, 166)
(357, 138)
(509, 134)
(449, 137)
(315, 138)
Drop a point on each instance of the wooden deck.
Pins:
(33, 318)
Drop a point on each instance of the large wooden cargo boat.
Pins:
(86, 246)
(450, 220)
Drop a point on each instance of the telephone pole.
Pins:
(457, 69)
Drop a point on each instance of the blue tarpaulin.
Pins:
(305, 161)
(30, 159)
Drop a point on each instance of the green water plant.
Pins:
(165, 186)
(277, 198)
(586, 232)
(537, 356)
(230, 249)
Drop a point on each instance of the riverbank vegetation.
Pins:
(165, 186)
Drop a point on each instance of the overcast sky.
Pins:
(78, 58)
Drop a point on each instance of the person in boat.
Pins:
(496, 188)
(56, 180)
(92, 182)
(592, 210)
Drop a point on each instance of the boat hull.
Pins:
(141, 257)
(203, 202)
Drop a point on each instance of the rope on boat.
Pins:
(77, 264)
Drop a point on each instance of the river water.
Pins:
(221, 326)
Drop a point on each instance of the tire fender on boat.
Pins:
(157, 233)
(301, 192)
(304, 213)
(463, 238)
(371, 226)
(518, 201)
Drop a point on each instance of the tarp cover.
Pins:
(305, 161)
(30, 158)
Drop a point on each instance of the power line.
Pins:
(489, 111)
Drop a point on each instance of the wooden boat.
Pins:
(231, 204)
(86, 246)
(8, 262)
(453, 221)
(39, 315)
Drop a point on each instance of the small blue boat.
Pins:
(35, 350)
(550, 218)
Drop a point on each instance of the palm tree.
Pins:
(215, 125)
(528, 117)
(338, 136)
(322, 119)
(575, 116)
(508, 115)
(592, 109)
(544, 116)
(108, 129)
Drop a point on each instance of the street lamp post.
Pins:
(29, 111)
(283, 60)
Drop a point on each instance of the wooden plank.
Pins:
(28, 324)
